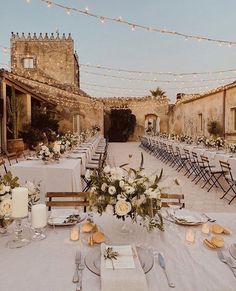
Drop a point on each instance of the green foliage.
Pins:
(158, 93)
(214, 127)
(14, 107)
(44, 126)
(122, 125)
(9, 180)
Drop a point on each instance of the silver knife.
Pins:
(77, 262)
(163, 265)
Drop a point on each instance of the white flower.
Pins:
(121, 184)
(122, 207)
(104, 187)
(129, 190)
(93, 189)
(88, 175)
(109, 209)
(107, 169)
(4, 189)
(6, 206)
(111, 190)
(116, 173)
(31, 187)
(130, 180)
(121, 196)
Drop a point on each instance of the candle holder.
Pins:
(20, 240)
(39, 234)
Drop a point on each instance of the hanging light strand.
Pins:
(156, 80)
(134, 26)
(158, 73)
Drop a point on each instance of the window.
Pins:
(200, 124)
(28, 63)
(234, 117)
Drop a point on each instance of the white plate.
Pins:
(59, 220)
(187, 217)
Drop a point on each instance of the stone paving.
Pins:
(195, 198)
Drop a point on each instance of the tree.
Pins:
(158, 93)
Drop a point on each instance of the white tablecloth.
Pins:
(49, 265)
(64, 176)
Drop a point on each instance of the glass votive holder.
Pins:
(206, 228)
(39, 233)
(74, 233)
(190, 235)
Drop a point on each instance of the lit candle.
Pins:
(39, 215)
(190, 235)
(74, 233)
(205, 228)
(19, 202)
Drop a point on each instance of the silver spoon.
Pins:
(79, 283)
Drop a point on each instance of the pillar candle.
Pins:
(74, 233)
(190, 235)
(39, 216)
(19, 202)
(205, 228)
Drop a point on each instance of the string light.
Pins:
(121, 70)
(156, 80)
(147, 28)
(157, 73)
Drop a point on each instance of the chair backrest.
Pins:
(11, 156)
(205, 161)
(2, 163)
(195, 157)
(172, 199)
(226, 169)
(67, 199)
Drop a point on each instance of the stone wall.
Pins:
(191, 114)
(141, 107)
(53, 58)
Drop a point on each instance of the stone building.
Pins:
(146, 109)
(46, 68)
(191, 113)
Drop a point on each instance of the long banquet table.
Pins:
(213, 155)
(64, 176)
(48, 265)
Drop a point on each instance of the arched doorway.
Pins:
(152, 123)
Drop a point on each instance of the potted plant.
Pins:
(14, 106)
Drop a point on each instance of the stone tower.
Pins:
(45, 58)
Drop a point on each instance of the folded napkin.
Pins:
(127, 275)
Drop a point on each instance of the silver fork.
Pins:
(79, 283)
(77, 263)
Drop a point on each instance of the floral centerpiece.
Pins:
(68, 141)
(7, 183)
(127, 193)
(200, 140)
(219, 142)
(209, 142)
(49, 152)
(232, 148)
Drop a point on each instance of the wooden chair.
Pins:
(172, 199)
(11, 157)
(2, 163)
(58, 199)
